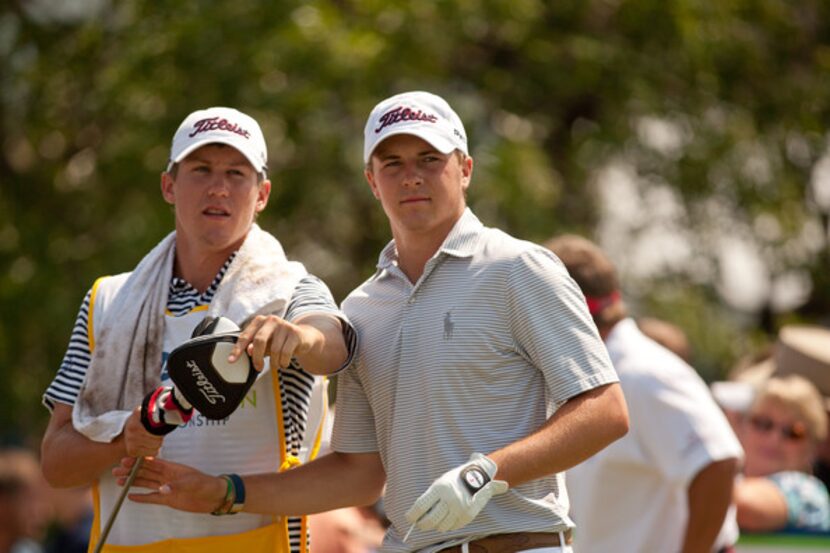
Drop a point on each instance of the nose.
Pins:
(218, 185)
(412, 175)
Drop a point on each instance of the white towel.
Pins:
(126, 362)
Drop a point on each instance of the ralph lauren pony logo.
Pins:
(218, 123)
(449, 326)
(401, 113)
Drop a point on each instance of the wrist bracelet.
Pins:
(228, 501)
(238, 493)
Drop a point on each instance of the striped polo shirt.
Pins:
(477, 354)
(310, 296)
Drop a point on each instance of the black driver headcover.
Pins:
(200, 370)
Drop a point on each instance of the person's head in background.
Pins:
(24, 506)
(668, 335)
(805, 350)
(735, 394)
(802, 350)
(71, 520)
(596, 276)
(784, 426)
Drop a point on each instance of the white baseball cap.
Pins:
(418, 113)
(224, 126)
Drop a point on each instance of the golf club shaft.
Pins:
(103, 539)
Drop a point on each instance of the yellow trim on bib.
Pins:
(304, 535)
(290, 462)
(268, 539)
(90, 329)
(318, 439)
(194, 310)
(287, 461)
(95, 531)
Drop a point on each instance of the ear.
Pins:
(167, 188)
(370, 178)
(466, 172)
(262, 195)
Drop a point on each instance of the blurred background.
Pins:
(689, 138)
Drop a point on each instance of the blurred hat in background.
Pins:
(805, 351)
(799, 349)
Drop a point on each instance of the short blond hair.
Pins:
(799, 395)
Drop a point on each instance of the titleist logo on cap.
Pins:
(217, 123)
(403, 114)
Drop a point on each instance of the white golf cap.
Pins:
(421, 114)
(224, 126)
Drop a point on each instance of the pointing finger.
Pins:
(245, 337)
(261, 341)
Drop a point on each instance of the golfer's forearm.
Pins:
(582, 426)
(333, 481)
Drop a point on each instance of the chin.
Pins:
(223, 241)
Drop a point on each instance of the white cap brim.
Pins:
(435, 140)
(220, 125)
(238, 145)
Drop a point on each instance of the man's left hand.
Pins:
(172, 484)
(457, 496)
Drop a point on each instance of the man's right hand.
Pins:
(174, 485)
(137, 441)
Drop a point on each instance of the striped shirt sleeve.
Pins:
(67, 383)
(552, 328)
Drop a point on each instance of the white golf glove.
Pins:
(457, 496)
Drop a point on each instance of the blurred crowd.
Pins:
(35, 518)
(778, 402)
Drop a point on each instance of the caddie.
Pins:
(217, 262)
(480, 377)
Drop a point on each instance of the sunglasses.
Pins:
(794, 432)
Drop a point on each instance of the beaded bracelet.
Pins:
(224, 508)
(238, 493)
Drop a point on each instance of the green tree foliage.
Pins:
(713, 112)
